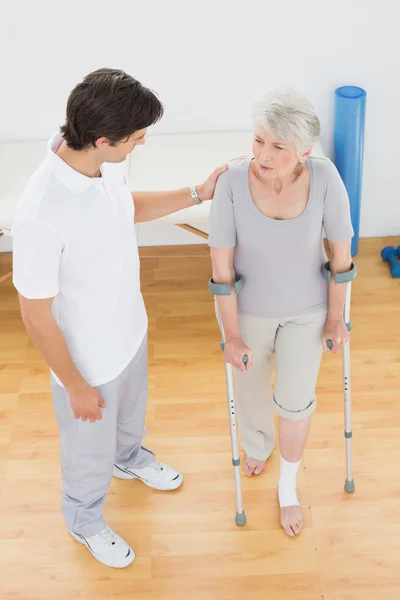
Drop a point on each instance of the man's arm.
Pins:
(49, 340)
(154, 205)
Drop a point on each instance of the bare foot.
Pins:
(253, 466)
(292, 520)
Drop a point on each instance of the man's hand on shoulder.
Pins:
(206, 190)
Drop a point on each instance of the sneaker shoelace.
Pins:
(158, 467)
(108, 537)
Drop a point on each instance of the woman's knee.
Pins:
(294, 409)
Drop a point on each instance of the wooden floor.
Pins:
(186, 542)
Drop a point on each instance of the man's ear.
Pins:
(100, 142)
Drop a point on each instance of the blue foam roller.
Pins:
(349, 130)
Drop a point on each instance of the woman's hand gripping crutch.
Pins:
(224, 290)
(339, 278)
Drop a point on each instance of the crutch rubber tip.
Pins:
(240, 519)
(349, 486)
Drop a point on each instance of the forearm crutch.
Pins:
(225, 290)
(348, 434)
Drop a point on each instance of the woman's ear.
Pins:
(306, 155)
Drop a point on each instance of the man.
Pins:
(76, 270)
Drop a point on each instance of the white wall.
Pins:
(209, 60)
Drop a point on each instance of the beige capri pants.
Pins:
(296, 343)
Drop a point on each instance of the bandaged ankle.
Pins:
(287, 484)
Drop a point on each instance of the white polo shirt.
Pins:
(74, 239)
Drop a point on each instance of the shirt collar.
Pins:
(74, 180)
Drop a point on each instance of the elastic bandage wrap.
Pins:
(287, 483)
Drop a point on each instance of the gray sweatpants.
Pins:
(89, 450)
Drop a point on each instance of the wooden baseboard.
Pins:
(194, 230)
(5, 265)
(192, 250)
(6, 276)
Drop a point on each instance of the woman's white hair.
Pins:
(288, 116)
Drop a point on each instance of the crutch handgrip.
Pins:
(329, 343)
(245, 358)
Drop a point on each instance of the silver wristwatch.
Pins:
(194, 194)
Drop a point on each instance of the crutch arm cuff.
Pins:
(339, 277)
(224, 289)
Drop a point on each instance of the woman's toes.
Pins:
(288, 529)
(253, 466)
(291, 520)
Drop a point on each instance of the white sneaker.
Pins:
(108, 548)
(157, 475)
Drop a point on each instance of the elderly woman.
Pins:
(268, 218)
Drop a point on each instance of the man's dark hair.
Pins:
(108, 103)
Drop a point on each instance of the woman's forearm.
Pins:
(337, 291)
(337, 297)
(227, 306)
(224, 273)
